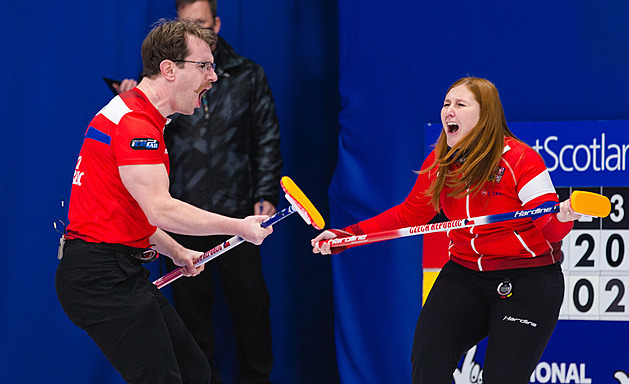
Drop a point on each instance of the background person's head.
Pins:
(202, 12)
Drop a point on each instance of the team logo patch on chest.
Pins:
(144, 144)
(496, 177)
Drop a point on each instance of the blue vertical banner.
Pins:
(591, 341)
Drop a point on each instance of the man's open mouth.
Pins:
(203, 88)
(202, 93)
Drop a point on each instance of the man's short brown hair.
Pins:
(168, 40)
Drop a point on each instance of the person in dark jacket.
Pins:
(226, 158)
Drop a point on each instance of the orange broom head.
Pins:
(589, 203)
(300, 202)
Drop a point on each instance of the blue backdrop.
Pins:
(390, 63)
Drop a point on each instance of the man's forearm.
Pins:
(179, 217)
(164, 244)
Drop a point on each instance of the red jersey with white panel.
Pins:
(127, 131)
(520, 182)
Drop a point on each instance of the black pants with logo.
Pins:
(106, 292)
(464, 307)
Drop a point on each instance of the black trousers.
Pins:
(464, 307)
(106, 292)
(247, 297)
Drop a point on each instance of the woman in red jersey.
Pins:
(503, 280)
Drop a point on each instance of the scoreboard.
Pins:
(596, 261)
(591, 156)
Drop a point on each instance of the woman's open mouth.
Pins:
(452, 127)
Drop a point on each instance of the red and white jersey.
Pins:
(127, 131)
(520, 182)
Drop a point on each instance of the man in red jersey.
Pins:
(120, 207)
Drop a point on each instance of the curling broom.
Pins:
(298, 203)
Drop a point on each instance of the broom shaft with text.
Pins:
(299, 203)
(584, 203)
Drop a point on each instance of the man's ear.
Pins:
(217, 24)
(167, 68)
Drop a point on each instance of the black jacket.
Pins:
(226, 156)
